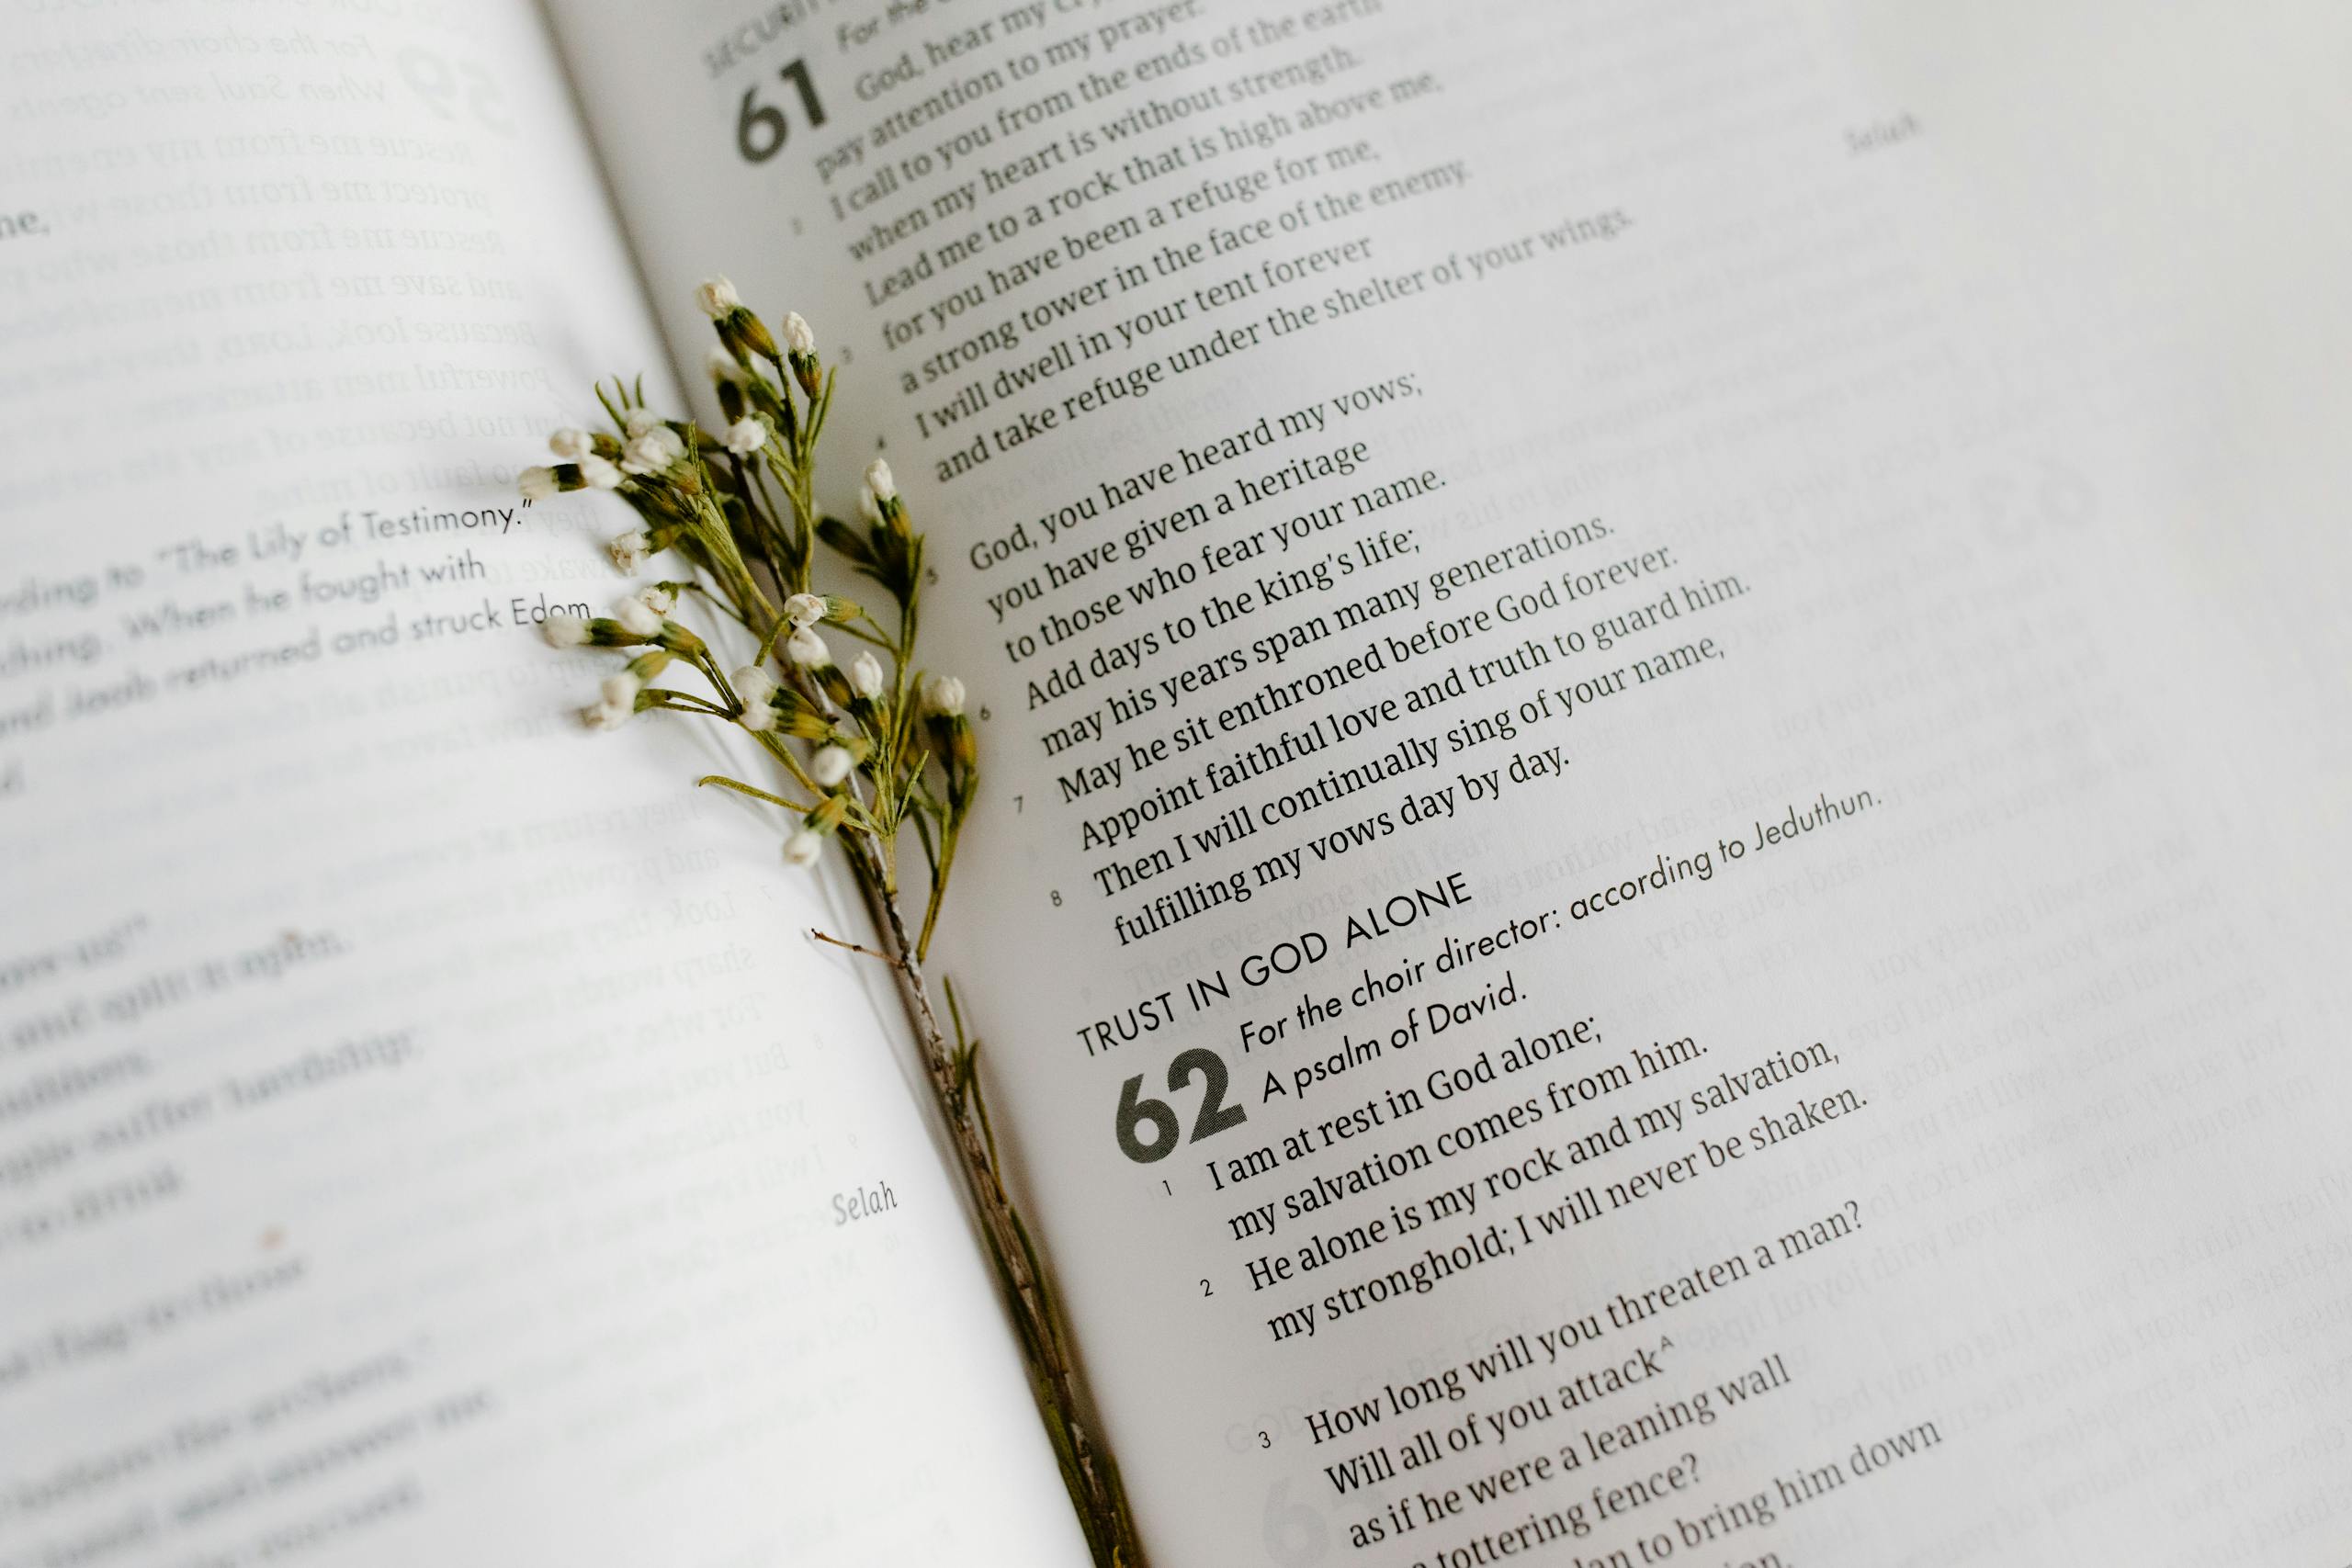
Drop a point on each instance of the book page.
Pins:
(1663, 698)
(426, 1131)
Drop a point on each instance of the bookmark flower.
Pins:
(629, 551)
(800, 353)
(865, 676)
(715, 297)
(742, 333)
(870, 758)
(754, 685)
(637, 618)
(615, 703)
(566, 631)
(747, 435)
(831, 765)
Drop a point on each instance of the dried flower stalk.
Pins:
(867, 756)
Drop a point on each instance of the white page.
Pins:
(422, 1123)
(1971, 388)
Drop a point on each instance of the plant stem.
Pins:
(938, 891)
(1093, 1481)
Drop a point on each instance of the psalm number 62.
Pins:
(1138, 1113)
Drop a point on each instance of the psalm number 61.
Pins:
(761, 128)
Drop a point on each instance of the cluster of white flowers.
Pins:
(647, 447)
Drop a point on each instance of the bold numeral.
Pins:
(760, 129)
(1134, 1109)
(798, 74)
(1214, 1117)
(1215, 1114)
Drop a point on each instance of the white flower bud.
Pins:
(721, 366)
(646, 454)
(797, 338)
(803, 847)
(564, 631)
(747, 435)
(657, 597)
(715, 297)
(629, 550)
(599, 472)
(570, 444)
(637, 618)
(867, 507)
(754, 685)
(619, 691)
(865, 676)
(831, 765)
(536, 483)
(759, 718)
(804, 609)
(944, 696)
(807, 649)
(604, 716)
(638, 421)
(878, 480)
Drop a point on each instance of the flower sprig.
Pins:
(874, 748)
(864, 753)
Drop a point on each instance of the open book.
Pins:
(1661, 876)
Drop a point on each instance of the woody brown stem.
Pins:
(1092, 1480)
